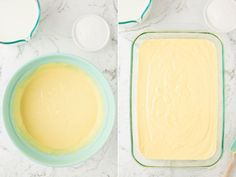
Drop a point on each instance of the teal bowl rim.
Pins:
(141, 17)
(72, 158)
(32, 31)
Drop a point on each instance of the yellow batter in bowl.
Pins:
(177, 99)
(58, 108)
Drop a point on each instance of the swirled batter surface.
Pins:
(177, 99)
(59, 108)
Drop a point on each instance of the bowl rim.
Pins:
(77, 42)
(208, 21)
(88, 150)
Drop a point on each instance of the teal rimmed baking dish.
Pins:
(136, 153)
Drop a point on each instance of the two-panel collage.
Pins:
(118, 88)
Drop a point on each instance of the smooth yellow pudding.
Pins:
(177, 99)
(59, 108)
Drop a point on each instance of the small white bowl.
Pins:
(91, 33)
(224, 16)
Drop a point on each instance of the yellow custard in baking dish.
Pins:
(58, 108)
(177, 99)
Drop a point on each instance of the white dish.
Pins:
(220, 15)
(91, 33)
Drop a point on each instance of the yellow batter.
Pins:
(177, 99)
(59, 108)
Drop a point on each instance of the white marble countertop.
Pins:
(54, 36)
(177, 15)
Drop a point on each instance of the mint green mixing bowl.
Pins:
(71, 158)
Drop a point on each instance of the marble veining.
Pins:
(54, 36)
(179, 15)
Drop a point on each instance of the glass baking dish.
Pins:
(137, 155)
